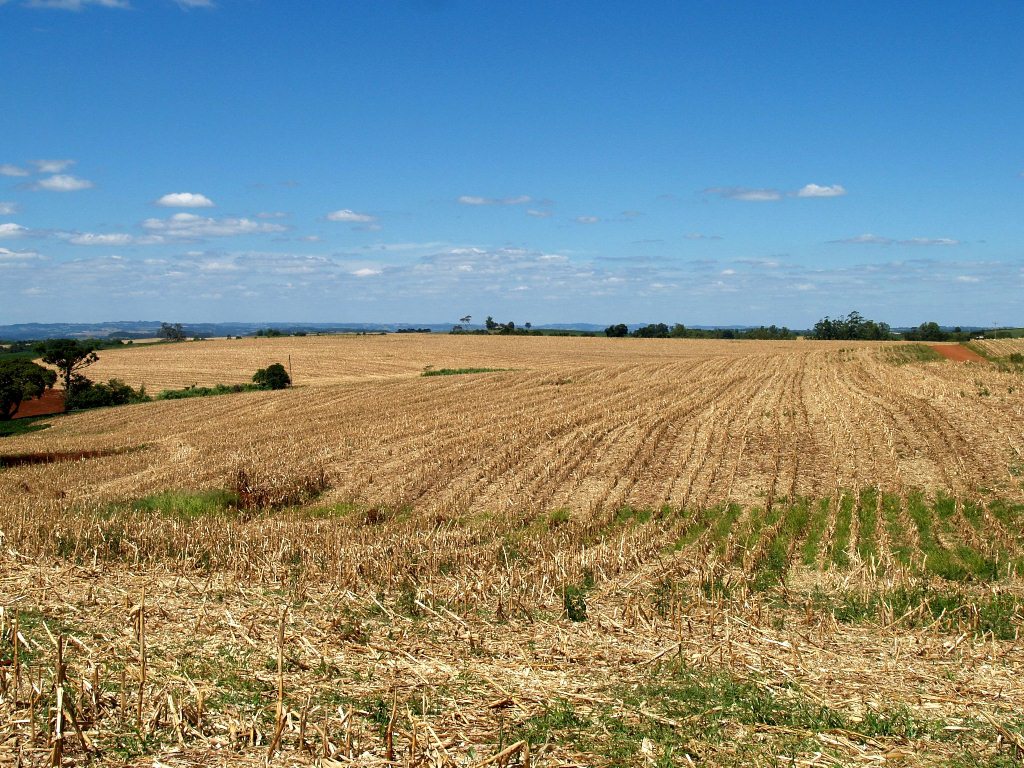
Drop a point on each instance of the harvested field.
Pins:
(1000, 347)
(612, 553)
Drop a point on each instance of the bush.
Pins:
(274, 376)
(195, 391)
(88, 394)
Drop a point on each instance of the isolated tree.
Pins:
(68, 355)
(171, 332)
(274, 376)
(490, 324)
(21, 380)
(617, 331)
(527, 326)
(466, 320)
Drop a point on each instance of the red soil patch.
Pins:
(958, 352)
(51, 402)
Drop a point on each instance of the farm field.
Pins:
(604, 552)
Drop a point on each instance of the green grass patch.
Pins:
(723, 525)
(188, 505)
(459, 371)
(838, 553)
(899, 544)
(867, 531)
(952, 611)
(23, 426)
(815, 531)
(910, 353)
(774, 564)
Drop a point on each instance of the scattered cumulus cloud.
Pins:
(815, 190)
(77, 5)
(62, 183)
(539, 214)
(9, 257)
(474, 200)
(111, 239)
(869, 239)
(11, 229)
(745, 194)
(185, 200)
(8, 209)
(52, 166)
(6, 169)
(192, 226)
(351, 217)
(771, 195)
(366, 272)
(587, 219)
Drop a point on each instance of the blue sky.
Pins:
(418, 160)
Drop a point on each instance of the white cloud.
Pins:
(699, 236)
(112, 239)
(52, 166)
(186, 4)
(271, 215)
(930, 241)
(968, 279)
(771, 195)
(62, 183)
(185, 200)
(869, 239)
(12, 230)
(587, 219)
(9, 257)
(8, 209)
(475, 200)
(191, 226)
(815, 190)
(77, 5)
(350, 216)
(539, 214)
(865, 239)
(12, 170)
(746, 194)
(366, 272)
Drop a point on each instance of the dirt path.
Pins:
(958, 352)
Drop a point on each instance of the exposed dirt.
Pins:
(958, 352)
(18, 459)
(51, 402)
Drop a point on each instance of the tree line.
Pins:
(23, 379)
(680, 331)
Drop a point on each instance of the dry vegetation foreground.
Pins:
(611, 552)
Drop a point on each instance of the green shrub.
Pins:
(88, 394)
(274, 376)
(575, 601)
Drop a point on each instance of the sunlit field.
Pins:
(591, 552)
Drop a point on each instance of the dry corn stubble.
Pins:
(423, 534)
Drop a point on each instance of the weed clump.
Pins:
(260, 487)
